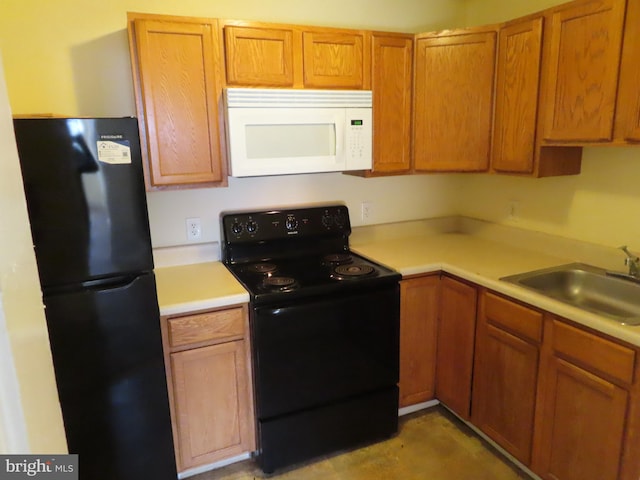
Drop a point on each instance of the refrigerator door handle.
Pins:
(110, 283)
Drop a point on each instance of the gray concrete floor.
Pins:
(431, 445)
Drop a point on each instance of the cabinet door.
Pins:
(418, 330)
(456, 334)
(505, 378)
(628, 92)
(333, 60)
(581, 79)
(179, 92)
(582, 425)
(453, 102)
(210, 388)
(259, 56)
(391, 73)
(516, 106)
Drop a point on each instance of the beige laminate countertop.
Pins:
(484, 262)
(201, 286)
(189, 288)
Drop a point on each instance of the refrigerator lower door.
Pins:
(107, 353)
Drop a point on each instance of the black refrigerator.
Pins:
(85, 195)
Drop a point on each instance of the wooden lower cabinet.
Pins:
(208, 370)
(584, 400)
(418, 330)
(210, 391)
(456, 334)
(506, 374)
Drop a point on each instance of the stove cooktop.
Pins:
(296, 252)
(310, 275)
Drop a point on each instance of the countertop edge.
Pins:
(192, 307)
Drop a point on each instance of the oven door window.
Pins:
(314, 352)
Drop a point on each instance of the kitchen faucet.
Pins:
(632, 261)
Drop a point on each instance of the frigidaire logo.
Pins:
(51, 467)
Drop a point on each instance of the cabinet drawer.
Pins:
(513, 317)
(217, 325)
(593, 352)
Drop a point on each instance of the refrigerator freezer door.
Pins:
(107, 353)
(85, 194)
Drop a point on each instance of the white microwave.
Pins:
(279, 132)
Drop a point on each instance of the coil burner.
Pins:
(262, 268)
(280, 284)
(346, 272)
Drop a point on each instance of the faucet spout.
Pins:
(632, 261)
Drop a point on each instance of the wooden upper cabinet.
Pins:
(391, 80)
(516, 103)
(453, 106)
(294, 56)
(581, 74)
(628, 110)
(259, 56)
(334, 59)
(177, 91)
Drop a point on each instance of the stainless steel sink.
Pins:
(587, 287)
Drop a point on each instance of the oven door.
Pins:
(321, 350)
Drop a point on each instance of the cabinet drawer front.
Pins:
(513, 317)
(206, 326)
(593, 352)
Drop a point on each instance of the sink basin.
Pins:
(587, 287)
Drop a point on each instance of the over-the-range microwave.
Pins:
(286, 131)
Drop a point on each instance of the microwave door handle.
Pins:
(338, 133)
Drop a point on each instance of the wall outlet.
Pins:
(194, 229)
(367, 212)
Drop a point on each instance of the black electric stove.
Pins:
(324, 326)
(294, 253)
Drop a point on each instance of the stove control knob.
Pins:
(252, 226)
(327, 220)
(291, 223)
(236, 228)
(340, 219)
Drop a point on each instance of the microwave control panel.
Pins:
(358, 146)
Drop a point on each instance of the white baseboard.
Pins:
(417, 407)
(212, 466)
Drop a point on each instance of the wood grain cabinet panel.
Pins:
(453, 106)
(391, 73)
(583, 425)
(212, 403)
(628, 110)
(516, 102)
(504, 384)
(418, 333)
(456, 335)
(581, 78)
(334, 59)
(177, 98)
(259, 56)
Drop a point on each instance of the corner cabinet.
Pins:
(419, 298)
(208, 368)
(177, 85)
(453, 104)
(456, 334)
